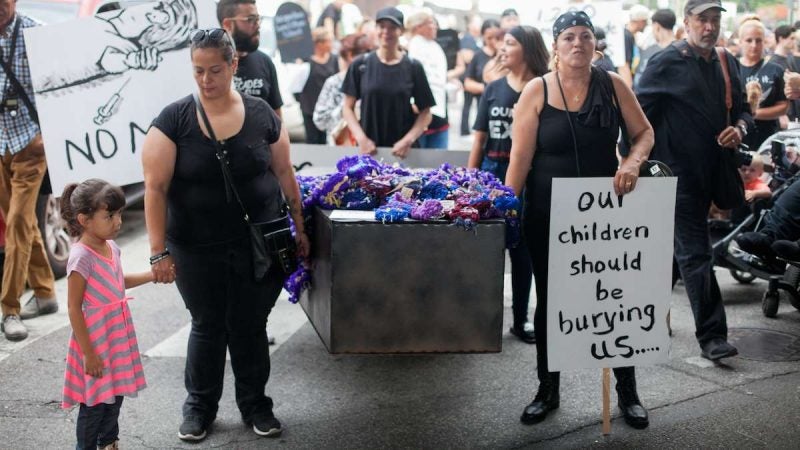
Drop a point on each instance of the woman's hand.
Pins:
(626, 177)
(303, 245)
(366, 146)
(401, 148)
(164, 270)
(93, 365)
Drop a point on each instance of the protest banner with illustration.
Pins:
(610, 273)
(99, 82)
(606, 14)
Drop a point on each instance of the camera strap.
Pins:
(723, 64)
(13, 78)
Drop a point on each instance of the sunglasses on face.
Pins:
(210, 35)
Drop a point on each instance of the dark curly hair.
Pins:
(86, 198)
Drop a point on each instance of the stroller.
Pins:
(745, 267)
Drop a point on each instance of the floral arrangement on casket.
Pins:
(457, 195)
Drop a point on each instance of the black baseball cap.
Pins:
(391, 14)
(694, 7)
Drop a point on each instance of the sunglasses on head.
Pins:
(211, 35)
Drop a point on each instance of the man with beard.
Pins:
(682, 91)
(256, 75)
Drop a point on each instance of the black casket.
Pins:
(407, 287)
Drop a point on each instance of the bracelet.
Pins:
(159, 257)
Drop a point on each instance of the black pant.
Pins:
(98, 425)
(313, 134)
(229, 311)
(465, 125)
(694, 258)
(783, 219)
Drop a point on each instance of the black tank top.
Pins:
(555, 152)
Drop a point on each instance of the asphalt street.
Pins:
(420, 401)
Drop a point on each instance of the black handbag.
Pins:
(270, 242)
(727, 188)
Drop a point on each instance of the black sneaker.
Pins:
(267, 426)
(192, 429)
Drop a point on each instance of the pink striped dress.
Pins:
(111, 332)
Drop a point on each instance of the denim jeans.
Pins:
(521, 270)
(97, 425)
(694, 258)
(438, 140)
(229, 311)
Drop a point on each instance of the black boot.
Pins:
(628, 400)
(546, 400)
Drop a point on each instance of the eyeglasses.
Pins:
(251, 20)
(212, 35)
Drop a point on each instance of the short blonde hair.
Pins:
(752, 21)
(321, 34)
(418, 18)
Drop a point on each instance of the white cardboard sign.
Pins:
(99, 82)
(610, 273)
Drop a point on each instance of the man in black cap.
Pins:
(683, 93)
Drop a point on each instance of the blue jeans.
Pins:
(229, 311)
(694, 258)
(98, 425)
(438, 140)
(521, 269)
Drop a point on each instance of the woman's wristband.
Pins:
(159, 257)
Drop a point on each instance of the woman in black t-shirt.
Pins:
(764, 81)
(525, 56)
(386, 81)
(196, 228)
(322, 65)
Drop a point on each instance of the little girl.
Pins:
(103, 363)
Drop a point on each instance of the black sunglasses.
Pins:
(212, 35)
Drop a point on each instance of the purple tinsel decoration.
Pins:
(428, 210)
(298, 282)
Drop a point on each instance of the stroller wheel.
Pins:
(742, 277)
(769, 304)
(792, 277)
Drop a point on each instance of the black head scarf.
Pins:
(571, 19)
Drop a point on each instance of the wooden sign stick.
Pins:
(606, 401)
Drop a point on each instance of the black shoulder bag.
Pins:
(270, 242)
(727, 189)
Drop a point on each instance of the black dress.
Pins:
(596, 131)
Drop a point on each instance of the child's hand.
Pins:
(93, 365)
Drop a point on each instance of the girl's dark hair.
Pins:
(489, 23)
(224, 43)
(354, 44)
(86, 198)
(533, 48)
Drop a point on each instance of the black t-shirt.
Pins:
(605, 63)
(495, 118)
(475, 67)
(385, 92)
(770, 76)
(256, 76)
(630, 48)
(198, 212)
(789, 63)
(316, 78)
(468, 42)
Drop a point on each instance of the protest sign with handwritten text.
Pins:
(610, 271)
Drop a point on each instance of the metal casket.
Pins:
(406, 288)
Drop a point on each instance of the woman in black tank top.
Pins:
(566, 124)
